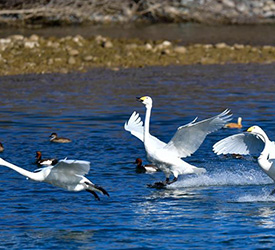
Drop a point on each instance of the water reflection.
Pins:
(266, 217)
(172, 194)
(81, 236)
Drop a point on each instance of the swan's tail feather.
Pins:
(187, 168)
(200, 171)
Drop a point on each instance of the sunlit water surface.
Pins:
(229, 207)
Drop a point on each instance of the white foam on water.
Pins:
(223, 178)
(262, 195)
(256, 198)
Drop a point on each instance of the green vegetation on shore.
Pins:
(34, 54)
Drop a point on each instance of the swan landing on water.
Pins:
(254, 142)
(187, 139)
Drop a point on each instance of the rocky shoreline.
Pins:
(35, 54)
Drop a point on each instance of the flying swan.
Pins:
(67, 174)
(255, 142)
(187, 139)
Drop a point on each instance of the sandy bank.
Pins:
(35, 54)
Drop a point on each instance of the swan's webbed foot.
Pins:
(102, 190)
(162, 184)
(174, 180)
(94, 193)
(158, 185)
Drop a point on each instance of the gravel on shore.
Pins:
(35, 54)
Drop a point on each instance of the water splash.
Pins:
(224, 178)
(263, 196)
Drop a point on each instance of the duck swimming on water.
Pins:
(148, 168)
(234, 125)
(1, 147)
(66, 174)
(44, 162)
(55, 138)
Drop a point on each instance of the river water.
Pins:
(228, 207)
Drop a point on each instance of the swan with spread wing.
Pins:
(67, 174)
(187, 139)
(254, 142)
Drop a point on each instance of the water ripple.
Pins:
(228, 207)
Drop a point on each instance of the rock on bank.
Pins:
(35, 54)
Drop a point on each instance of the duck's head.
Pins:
(146, 100)
(138, 162)
(53, 135)
(38, 154)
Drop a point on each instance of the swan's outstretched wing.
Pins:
(72, 167)
(189, 137)
(135, 126)
(243, 144)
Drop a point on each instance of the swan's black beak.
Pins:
(138, 99)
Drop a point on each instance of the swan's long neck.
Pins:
(263, 159)
(147, 123)
(31, 175)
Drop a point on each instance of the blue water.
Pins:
(229, 207)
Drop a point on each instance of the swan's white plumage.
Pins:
(243, 143)
(255, 142)
(187, 139)
(135, 126)
(67, 174)
(71, 167)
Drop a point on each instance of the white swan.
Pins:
(67, 174)
(185, 142)
(254, 142)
